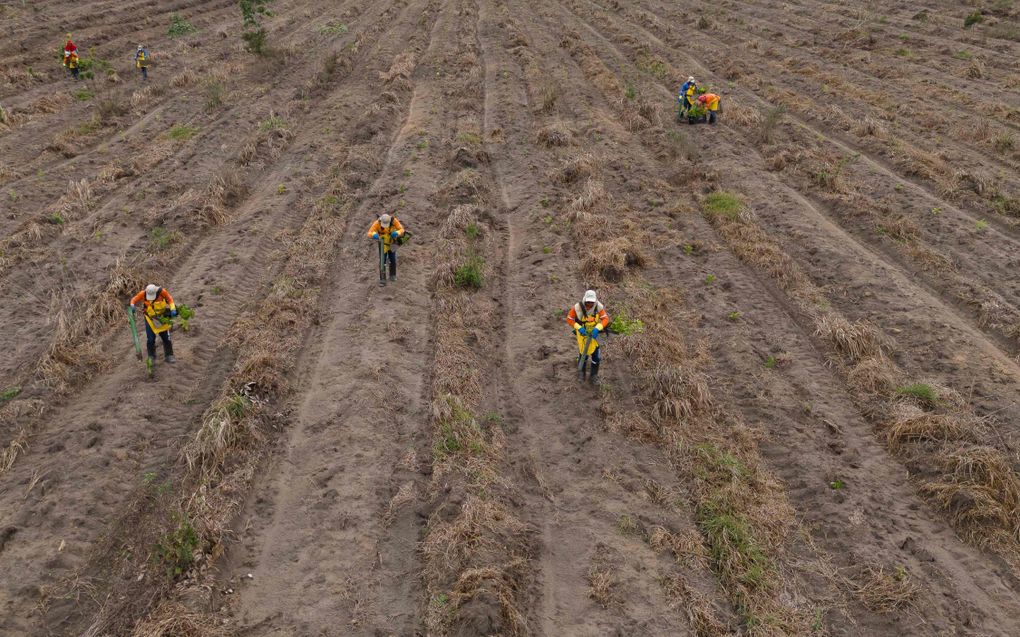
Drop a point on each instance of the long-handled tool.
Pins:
(134, 331)
(582, 360)
(382, 263)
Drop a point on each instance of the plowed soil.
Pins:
(807, 419)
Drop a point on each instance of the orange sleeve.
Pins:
(398, 225)
(169, 299)
(604, 319)
(376, 228)
(136, 299)
(571, 317)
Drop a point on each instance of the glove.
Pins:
(582, 331)
(173, 313)
(375, 236)
(394, 234)
(595, 332)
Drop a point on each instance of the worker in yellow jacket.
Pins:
(159, 309)
(142, 60)
(388, 230)
(712, 104)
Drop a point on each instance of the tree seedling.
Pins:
(710, 279)
(836, 484)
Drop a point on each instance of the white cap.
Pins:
(150, 292)
(384, 221)
(690, 79)
(590, 297)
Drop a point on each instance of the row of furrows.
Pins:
(662, 147)
(763, 258)
(195, 219)
(220, 458)
(89, 414)
(910, 137)
(604, 567)
(989, 309)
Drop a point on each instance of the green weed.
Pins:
(472, 231)
(630, 92)
(722, 203)
(771, 362)
(710, 279)
(182, 132)
(333, 28)
(185, 314)
(179, 26)
(837, 484)
(161, 238)
(625, 326)
(469, 274)
(972, 19)
(237, 406)
(213, 89)
(980, 225)
(627, 525)
(732, 548)
(56, 219)
(963, 54)
(176, 550)
(733, 316)
(273, 122)
(9, 394)
(83, 95)
(922, 392)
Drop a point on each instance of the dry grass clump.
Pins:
(600, 585)
(855, 341)
(687, 547)
(556, 134)
(11, 451)
(583, 166)
(882, 591)
(466, 609)
(702, 614)
(611, 262)
(872, 375)
(679, 394)
(185, 78)
(402, 67)
(172, 619)
(909, 425)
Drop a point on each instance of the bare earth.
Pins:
(812, 431)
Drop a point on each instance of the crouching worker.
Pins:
(386, 230)
(712, 104)
(588, 319)
(159, 309)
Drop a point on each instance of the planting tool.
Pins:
(582, 359)
(382, 263)
(134, 331)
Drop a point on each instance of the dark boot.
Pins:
(168, 351)
(594, 374)
(581, 370)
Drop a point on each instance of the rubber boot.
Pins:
(168, 352)
(594, 374)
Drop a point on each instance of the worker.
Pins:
(142, 61)
(588, 317)
(159, 309)
(712, 105)
(686, 96)
(72, 63)
(388, 230)
(69, 50)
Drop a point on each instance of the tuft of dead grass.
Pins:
(600, 585)
(679, 394)
(853, 341)
(702, 614)
(880, 590)
(556, 134)
(172, 619)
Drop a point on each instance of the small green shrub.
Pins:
(9, 394)
(733, 316)
(963, 54)
(625, 326)
(771, 362)
(972, 19)
(237, 406)
(185, 314)
(182, 132)
(255, 41)
(179, 26)
(56, 219)
(710, 279)
(472, 231)
(837, 484)
(161, 238)
(722, 203)
(469, 274)
(980, 225)
(274, 122)
(630, 92)
(83, 95)
(176, 550)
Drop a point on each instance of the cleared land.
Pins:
(814, 433)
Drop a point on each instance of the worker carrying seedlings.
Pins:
(159, 309)
(69, 50)
(712, 104)
(387, 231)
(686, 96)
(71, 62)
(588, 319)
(142, 60)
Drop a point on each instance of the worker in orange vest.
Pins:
(159, 309)
(712, 105)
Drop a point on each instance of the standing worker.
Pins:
(712, 104)
(686, 95)
(70, 49)
(159, 308)
(387, 229)
(142, 61)
(588, 318)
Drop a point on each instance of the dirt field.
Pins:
(812, 430)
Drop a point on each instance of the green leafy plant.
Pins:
(733, 316)
(89, 65)
(980, 225)
(237, 406)
(176, 549)
(83, 95)
(630, 92)
(56, 219)
(184, 316)
(837, 484)
(972, 19)
(963, 54)
(625, 326)
(546, 250)
(179, 26)
(469, 273)
(472, 231)
(9, 394)
(273, 122)
(254, 34)
(710, 279)
(161, 238)
(771, 362)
